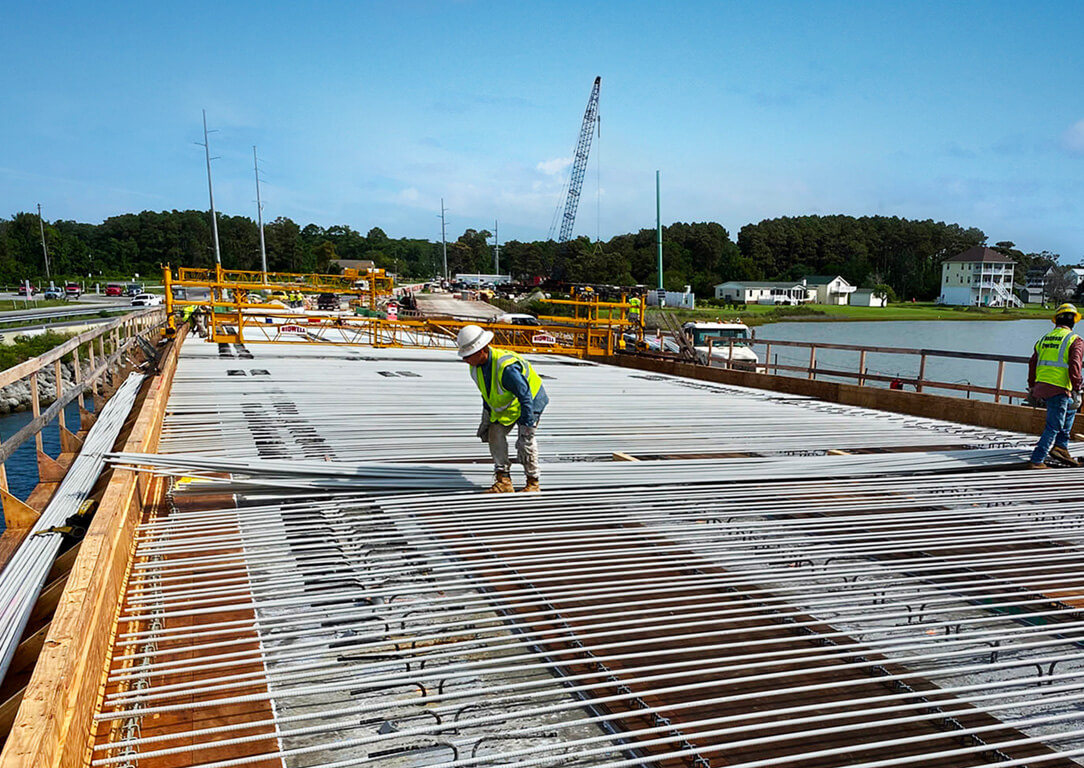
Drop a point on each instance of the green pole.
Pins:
(658, 228)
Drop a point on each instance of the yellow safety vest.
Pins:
(503, 405)
(186, 313)
(635, 302)
(1052, 366)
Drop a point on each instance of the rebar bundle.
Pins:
(24, 575)
(356, 602)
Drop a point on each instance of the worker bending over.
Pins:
(1054, 376)
(512, 394)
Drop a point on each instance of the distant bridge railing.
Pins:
(92, 354)
(862, 376)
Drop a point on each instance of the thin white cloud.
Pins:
(1073, 138)
(554, 166)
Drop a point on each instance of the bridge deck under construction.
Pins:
(775, 581)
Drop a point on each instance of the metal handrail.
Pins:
(919, 382)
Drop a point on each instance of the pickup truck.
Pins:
(73, 290)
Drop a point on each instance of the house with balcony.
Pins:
(760, 292)
(978, 277)
(830, 289)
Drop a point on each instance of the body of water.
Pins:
(1002, 337)
(22, 467)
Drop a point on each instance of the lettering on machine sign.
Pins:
(543, 339)
(295, 329)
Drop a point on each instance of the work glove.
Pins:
(1076, 400)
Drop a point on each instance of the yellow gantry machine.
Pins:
(235, 314)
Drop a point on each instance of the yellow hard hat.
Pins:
(1065, 309)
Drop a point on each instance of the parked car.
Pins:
(114, 289)
(513, 318)
(327, 301)
(73, 290)
(52, 293)
(146, 300)
(22, 290)
(133, 289)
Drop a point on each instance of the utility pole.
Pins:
(210, 191)
(443, 239)
(658, 233)
(44, 250)
(259, 216)
(496, 249)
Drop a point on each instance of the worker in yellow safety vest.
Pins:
(634, 310)
(512, 395)
(1054, 376)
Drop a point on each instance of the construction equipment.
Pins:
(579, 163)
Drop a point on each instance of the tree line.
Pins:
(870, 251)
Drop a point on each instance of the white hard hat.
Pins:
(472, 338)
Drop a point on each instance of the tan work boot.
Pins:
(502, 483)
(1037, 466)
(532, 486)
(1062, 454)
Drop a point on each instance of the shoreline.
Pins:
(822, 314)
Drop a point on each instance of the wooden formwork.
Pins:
(52, 728)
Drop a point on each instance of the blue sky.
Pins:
(368, 113)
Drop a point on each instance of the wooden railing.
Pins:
(863, 376)
(93, 354)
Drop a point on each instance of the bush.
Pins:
(27, 347)
(801, 310)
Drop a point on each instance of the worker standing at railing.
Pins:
(634, 310)
(1054, 376)
(512, 395)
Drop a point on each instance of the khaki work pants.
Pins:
(526, 448)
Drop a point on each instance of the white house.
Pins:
(750, 292)
(867, 297)
(978, 277)
(831, 289)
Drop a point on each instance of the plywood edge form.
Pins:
(53, 725)
(980, 413)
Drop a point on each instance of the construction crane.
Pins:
(579, 164)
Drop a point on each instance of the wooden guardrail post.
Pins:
(921, 372)
(862, 368)
(812, 361)
(768, 358)
(1000, 380)
(35, 406)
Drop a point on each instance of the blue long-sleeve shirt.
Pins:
(513, 380)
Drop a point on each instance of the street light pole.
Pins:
(210, 191)
(44, 250)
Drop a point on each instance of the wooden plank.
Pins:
(17, 514)
(53, 726)
(63, 564)
(69, 441)
(51, 470)
(621, 456)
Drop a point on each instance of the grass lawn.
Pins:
(11, 305)
(762, 314)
